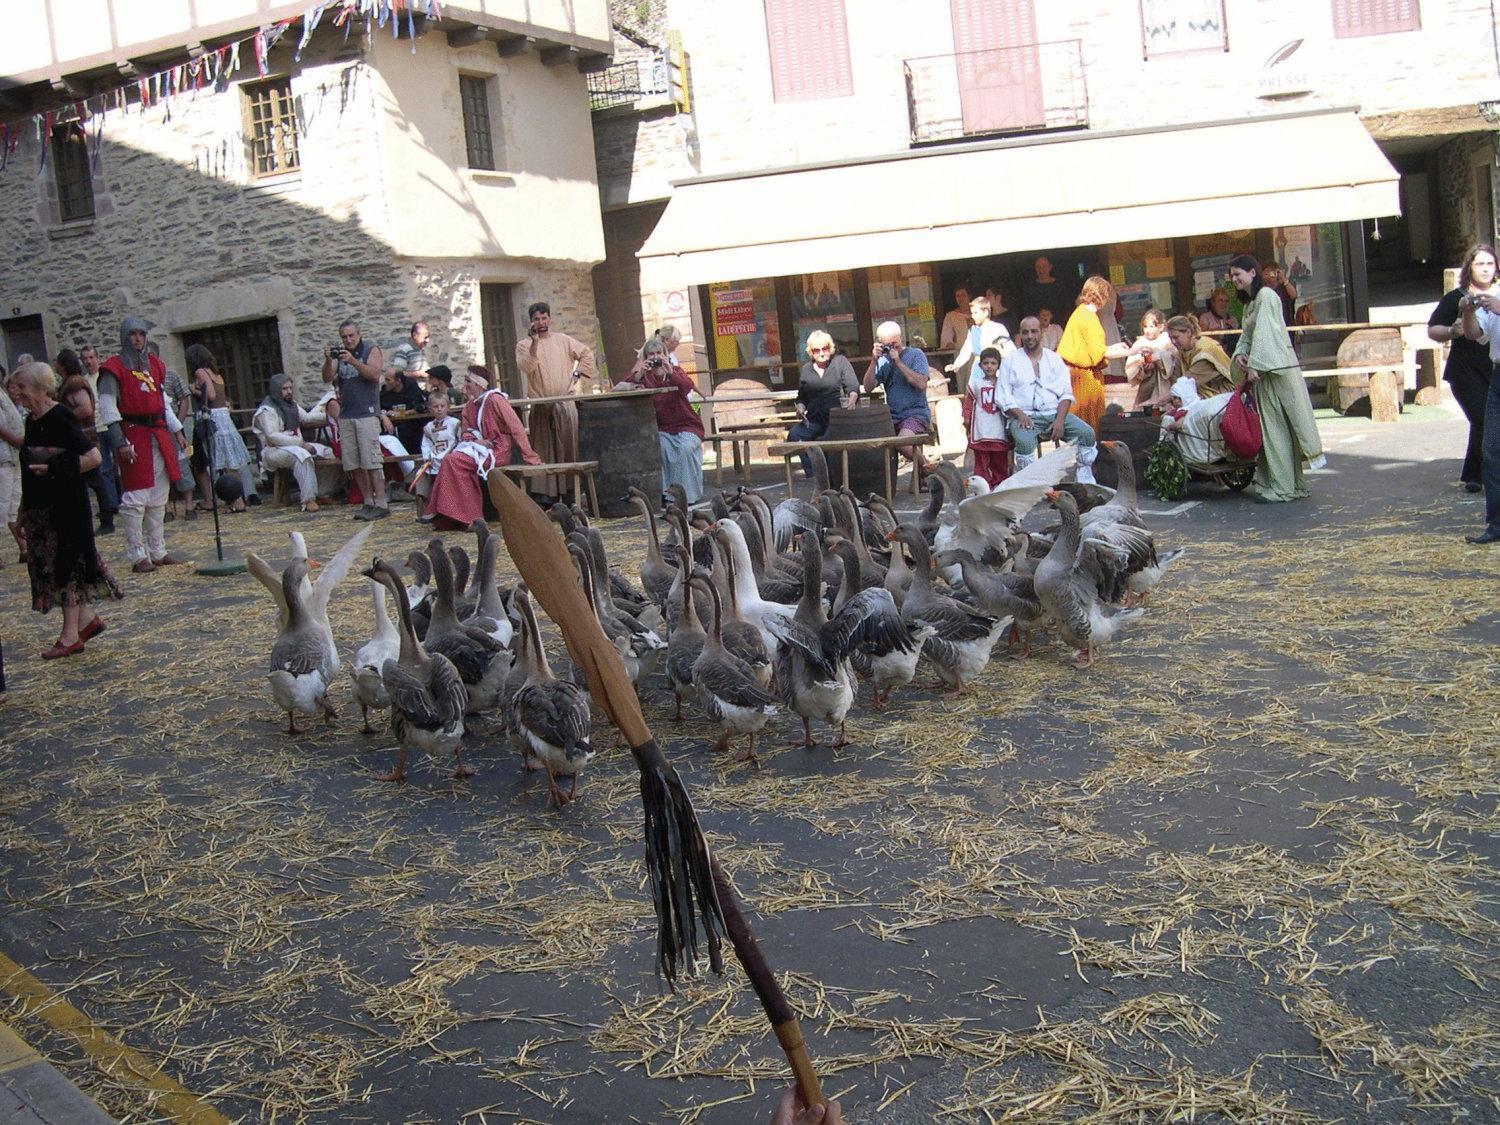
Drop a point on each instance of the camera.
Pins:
(335, 349)
(888, 350)
(655, 361)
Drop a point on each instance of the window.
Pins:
(474, 93)
(1178, 27)
(747, 330)
(497, 320)
(248, 354)
(1374, 17)
(809, 44)
(271, 127)
(70, 167)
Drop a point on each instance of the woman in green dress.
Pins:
(1289, 435)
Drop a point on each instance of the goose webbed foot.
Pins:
(398, 774)
(677, 718)
(555, 795)
(749, 754)
(291, 723)
(1084, 658)
(364, 712)
(721, 744)
(808, 742)
(329, 713)
(842, 740)
(460, 770)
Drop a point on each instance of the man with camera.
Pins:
(355, 365)
(903, 372)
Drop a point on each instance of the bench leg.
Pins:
(890, 476)
(916, 477)
(578, 492)
(845, 465)
(593, 495)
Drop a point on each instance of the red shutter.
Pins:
(1374, 17)
(809, 43)
(999, 68)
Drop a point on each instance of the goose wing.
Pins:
(270, 579)
(732, 681)
(952, 620)
(335, 570)
(791, 516)
(988, 518)
(808, 644)
(555, 711)
(438, 701)
(471, 655)
(869, 620)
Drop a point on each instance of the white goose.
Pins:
(365, 671)
(752, 607)
(304, 659)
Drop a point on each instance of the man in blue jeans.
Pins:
(1036, 392)
(1481, 317)
(903, 372)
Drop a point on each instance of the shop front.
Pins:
(827, 254)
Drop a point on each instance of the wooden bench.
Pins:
(843, 447)
(283, 484)
(581, 473)
(739, 447)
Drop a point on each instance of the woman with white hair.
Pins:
(55, 520)
(827, 380)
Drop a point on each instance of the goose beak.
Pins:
(890, 536)
(1051, 494)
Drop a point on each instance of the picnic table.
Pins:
(844, 446)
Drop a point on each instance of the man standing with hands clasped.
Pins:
(1035, 390)
(356, 365)
(1481, 317)
(552, 363)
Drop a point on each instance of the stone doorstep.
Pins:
(34, 1092)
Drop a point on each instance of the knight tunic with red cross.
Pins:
(143, 406)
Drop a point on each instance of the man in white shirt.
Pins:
(278, 425)
(1035, 390)
(983, 333)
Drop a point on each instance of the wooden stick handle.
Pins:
(768, 988)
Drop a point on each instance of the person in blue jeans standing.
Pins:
(827, 380)
(1481, 317)
(904, 374)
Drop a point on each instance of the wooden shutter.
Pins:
(999, 67)
(809, 43)
(1374, 17)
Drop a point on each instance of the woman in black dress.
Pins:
(1468, 368)
(64, 565)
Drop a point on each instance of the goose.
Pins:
(751, 606)
(1000, 594)
(621, 592)
(812, 669)
(728, 690)
(688, 636)
(365, 670)
(550, 716)
(639, 648)
(427, 695)
(1123, 506)
(963, 638)
(871, 570)
(635, 605)
(657, 574)
(421, 587)
(985, 523)
(490, 616)
(304, 659)
(1146, 568)
(462, 568)
(1069, 579)
(888, 652)
(772, 582)
(481, 663)
(881, 522)
(315, 595)
(682, 536)
(743, 639)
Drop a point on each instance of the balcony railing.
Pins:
(1029, 88)
(630, 81)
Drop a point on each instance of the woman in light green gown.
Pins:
(1289, 434)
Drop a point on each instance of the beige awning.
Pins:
(1023, 194)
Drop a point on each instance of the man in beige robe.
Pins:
(552, 363)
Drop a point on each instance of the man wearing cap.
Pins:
(133, 383)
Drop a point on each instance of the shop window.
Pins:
(248, 353)
(271, 127)
(1180, 27)
(904, 294)
(809, 43)
(70, 167)
(1312, 260)
(479, 138)
(746, 332)
(1353, 18)
(1144, 276)
(824, 302)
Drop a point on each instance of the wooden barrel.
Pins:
(1137, 431)
(620, 433)
(866, 471)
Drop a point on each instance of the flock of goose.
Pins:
(745, 610)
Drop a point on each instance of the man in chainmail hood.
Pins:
(133, 380)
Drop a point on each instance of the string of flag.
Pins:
(210, 71)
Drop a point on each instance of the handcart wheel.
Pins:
(1237, 480)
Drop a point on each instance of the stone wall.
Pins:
(1458, 164)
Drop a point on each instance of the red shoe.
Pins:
(91, 630)
(60, 649)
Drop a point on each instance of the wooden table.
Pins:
(737, 439)
(789, 449)
(581, 473)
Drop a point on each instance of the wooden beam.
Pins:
(515, 45)
(593, 63)
(68, 85)
(466, 37)
(558, 56)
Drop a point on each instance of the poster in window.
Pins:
(1174, 27)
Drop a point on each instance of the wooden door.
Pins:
(999, 65)
(497, 318)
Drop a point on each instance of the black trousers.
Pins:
(1470, 391)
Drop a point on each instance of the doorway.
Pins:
(248, 353)
(23, 335)
(497, 319)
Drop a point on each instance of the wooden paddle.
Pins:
(689, 888)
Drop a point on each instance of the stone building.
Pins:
(844, 163)
(441, 170)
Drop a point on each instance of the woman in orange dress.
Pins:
(1082, 348)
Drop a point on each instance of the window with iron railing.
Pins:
(479, 138)
(271, 127)
(70, 168)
